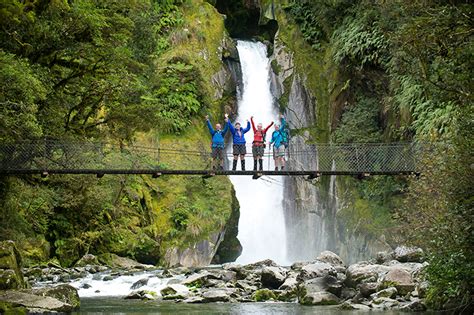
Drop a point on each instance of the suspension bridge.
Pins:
(72, 157)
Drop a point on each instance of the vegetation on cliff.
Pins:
(122, 72)
(401, 71)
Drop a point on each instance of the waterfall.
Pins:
(261, 225)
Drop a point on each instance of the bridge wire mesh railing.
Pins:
(68, 155)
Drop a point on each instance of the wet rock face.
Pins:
(64, 293)
(273, 277)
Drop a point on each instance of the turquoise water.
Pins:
(102, 306)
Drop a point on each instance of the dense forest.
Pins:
(127, 71)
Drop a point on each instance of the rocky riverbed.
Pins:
(389, 281)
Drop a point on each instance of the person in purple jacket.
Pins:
(239, 148)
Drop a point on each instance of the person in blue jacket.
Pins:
(217, 143)
(279, 141)
(239, 148)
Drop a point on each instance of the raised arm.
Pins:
(225, 128)
(253, 124)
(268, 127)
(211, 130)
(283, 124)
(247, 128)
(231, 127)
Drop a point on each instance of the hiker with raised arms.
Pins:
(238, 148)
(278, 140)
(217, 143)
(258, 144)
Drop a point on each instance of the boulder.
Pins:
(217, 295)
(272, 277)
(330, 258)
(364, 272)
(11, 276)
(175, 290)
(247, 286)
(383, 257)
(141, 295)
(116, 261)
(263, 295)
(348, 306)
(194, 300)
(348, 293)
(326, 283)
(63, 292)
(366, 289)
(290, 284)
(35, 303)
(408, 254)
(199, 280)
(414, 306)
(319, 298)
(400, 279)
(384, 303)
(87, 259)
(261, 264)
(140, 283)
(390, 292)
(315, 270)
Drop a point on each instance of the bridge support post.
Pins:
(100, 175)
(156, 175)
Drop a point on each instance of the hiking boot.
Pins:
(242, 163)
(234, 165)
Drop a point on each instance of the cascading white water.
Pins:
(261, 225)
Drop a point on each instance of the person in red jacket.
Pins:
(258, 144)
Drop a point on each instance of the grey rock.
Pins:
(366, 289)
(326, 283)
(348, 293)
(414, 306)
(290, 284)
(298, 265)
(175, 289)
(352, 306)
(261, 264)
(141, 295)
(400, 279)
(364, 272)
(384, 303)
(272, 277)
(408, 254)
(330, 258)
(215, 296)
(140, 283)
(390, 292)
(194, 300)
(63, 292)
(319, 298)
(315, 270)
(383, 257)
(247, 286)
(109, 278)
(199, 279)
(35, 302)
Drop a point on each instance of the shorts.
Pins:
(217, 153)
(239, 149)
(278, 152)
(258, 150)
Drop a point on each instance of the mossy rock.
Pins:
(11, 276)
(264, 295)
(64, 293)
(7, 308)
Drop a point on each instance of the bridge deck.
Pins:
(63, 157)
(198, 172)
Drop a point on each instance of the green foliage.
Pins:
(360, 123)
(360, 42)
(175, 98)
